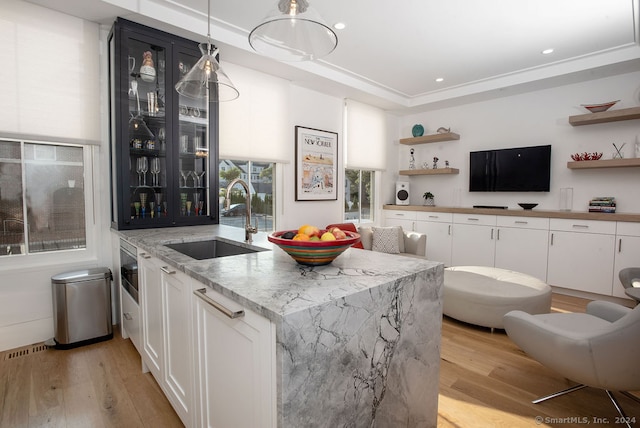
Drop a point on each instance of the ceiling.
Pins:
(391, 53)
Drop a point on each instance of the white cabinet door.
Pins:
(627, 253)
(151, 309)
(235, 364)
(176, 308)
(406, 219)
(579, 259)
(473, 241)
(438, 228)
(522, 244)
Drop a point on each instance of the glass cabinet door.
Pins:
(147, 132)
(192, 133)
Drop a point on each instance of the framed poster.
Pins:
(316, 164)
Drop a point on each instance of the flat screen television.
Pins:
(521, 169)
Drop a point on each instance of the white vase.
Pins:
(430, 202)
(147, 73)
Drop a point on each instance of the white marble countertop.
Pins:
(270, 282)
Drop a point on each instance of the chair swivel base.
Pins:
(609, 394)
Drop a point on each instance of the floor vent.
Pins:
(23, 352)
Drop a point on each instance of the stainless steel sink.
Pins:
(210, 249)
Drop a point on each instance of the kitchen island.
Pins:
(357, 342)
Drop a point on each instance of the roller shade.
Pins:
(366, 132)
(50, 75)
(256, 125)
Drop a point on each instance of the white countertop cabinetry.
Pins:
(572, 250)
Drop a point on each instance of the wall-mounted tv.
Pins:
(522, 169)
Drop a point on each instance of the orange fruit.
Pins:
(301, 228)
(309, 230)
(301, 237)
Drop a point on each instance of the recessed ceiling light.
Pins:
(339, 26)
(547, 51)
(439, 79)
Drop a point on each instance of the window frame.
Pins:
(373, 196)
(89, 252)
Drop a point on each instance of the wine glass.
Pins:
(162, 136)
(139, 170)
(155, 170)
(196, 202)
(144, 167)
(158, 197)
(198, 176)
(185, 175)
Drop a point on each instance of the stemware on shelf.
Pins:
(139, 170)
(185, 176)
(143, 203)
(155, 170)
(196, 202)
(198, 176)
(144, 167)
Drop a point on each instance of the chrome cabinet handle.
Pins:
(580, 226)
(166, 270)
(620, 245)
(498, 235)
(491, 233)
(127, 316)
(201, 293)
(551, 239)
(145, 256)
(521, 222)
(473, 219)
(449, 229)
(434, 216)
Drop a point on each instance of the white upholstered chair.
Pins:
(599, 348)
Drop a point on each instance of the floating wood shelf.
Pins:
(605, 116)
(433, 138)
(606, 163)
(429, 171)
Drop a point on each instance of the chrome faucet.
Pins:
(248, 228)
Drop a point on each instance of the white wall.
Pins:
(536, 118)
(50, 63)
(311, 109)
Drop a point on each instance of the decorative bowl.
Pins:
(526, 206)
(313, 253)
(586, 156)
(597, 108)
(417, 130)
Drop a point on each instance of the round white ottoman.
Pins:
(482, 295)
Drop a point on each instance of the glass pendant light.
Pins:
(206, 77)
(293, 31)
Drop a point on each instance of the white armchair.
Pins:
(599, 348)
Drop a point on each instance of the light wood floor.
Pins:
(485, 381)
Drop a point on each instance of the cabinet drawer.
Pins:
(585, 226)
(480, 219)
(402, 215)
(131, 318)
(628, 229)
(434, 216)
(524, 222)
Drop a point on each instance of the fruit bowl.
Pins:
(597, 108)
(586, 156)
(526, 206)
(313, 253)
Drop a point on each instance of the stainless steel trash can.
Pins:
(81, 307)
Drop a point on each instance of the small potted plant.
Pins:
(429, 199)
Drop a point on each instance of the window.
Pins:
(358, 195)
(42, 202)
(259, 178)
